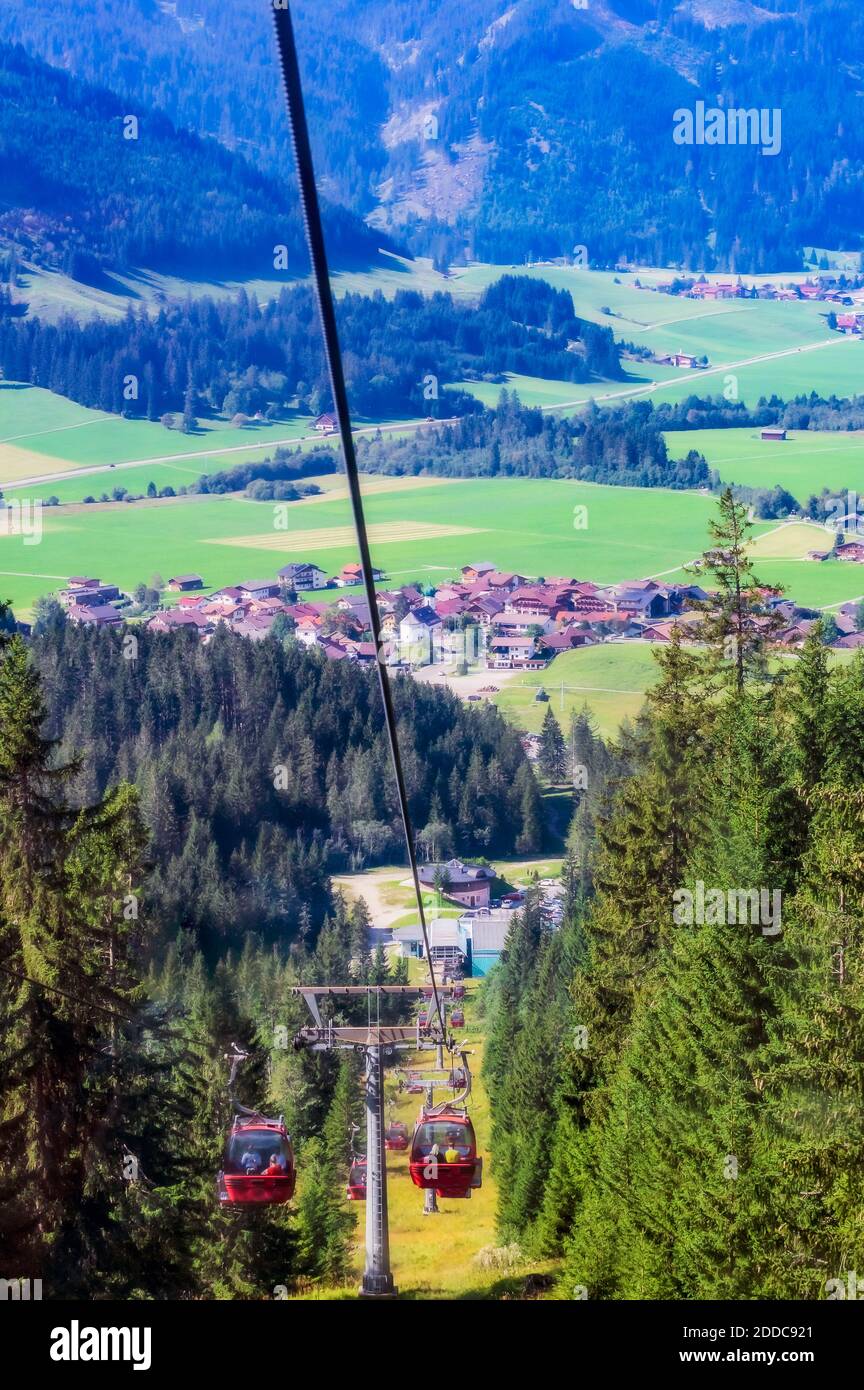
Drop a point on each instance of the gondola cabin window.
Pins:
(255, 1152)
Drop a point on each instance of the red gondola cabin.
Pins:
(258, 1167)
(356, 1189)
(396, 1136)
(444, 1153)
(457, 1019)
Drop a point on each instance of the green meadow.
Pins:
(426, 533)
(610, 679)
(768, 346)
(804, 463)
(50, 294)
(532, 526)
(727, 332)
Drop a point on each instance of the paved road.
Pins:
(700, 373)
(686, 378)
(180, 459)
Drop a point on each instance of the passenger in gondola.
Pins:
(451, 1153)
(250, 1162)
(275, 1168)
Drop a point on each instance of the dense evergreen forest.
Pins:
(262, 767)
(552, 127)
(623, 447)
(238, 356)
(806, 412)
(169, 815)
(677, 1100)
(114, 1096)
(84, 190)
(620, 446)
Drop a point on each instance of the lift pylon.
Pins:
(376, 1041)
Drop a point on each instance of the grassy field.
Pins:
(768, 346)
(436, 1257)
(812, 584)
(804, 463)
(610, 678)
(727, 332)
(50, 295)
(426, 534)
(45, 434)
(420, 529)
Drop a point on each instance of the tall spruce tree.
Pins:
(552, 758)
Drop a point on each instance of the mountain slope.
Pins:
(507, 129)
(83, 188)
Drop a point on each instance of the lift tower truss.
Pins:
(377, 1041)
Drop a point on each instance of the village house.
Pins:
(271, 606)
(773, 433)
(307, 628)
(333, 651)
(565, 641)
(94, 615)
(484, 610)
(468, 884)
(326, 423)
(500, 583)
(259, 588)
(88, 593)
(521, 625)
(255, 626)
(173, 618)
(514, 653)
(183, 583)
(472, 573)
(416, 636)
(535, 602)
(302, 575)
(642, 599)
(226, 598)
(450, 608)
(353, 574)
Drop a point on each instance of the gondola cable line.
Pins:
(377, 1041)
(324, 294)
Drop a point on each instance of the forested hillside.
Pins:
(622, 447)
(112, 1048)
(168, 819)
(505, 131)
(205, 356)
(261, 768)
(677, 1098)
(84, 189)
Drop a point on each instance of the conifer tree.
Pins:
(530, 838)
(68, 984)
(552, 759)
(736, 623)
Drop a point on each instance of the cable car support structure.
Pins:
(376, 1041)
